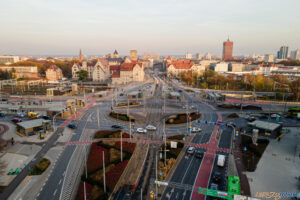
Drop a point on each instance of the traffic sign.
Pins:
(197, 121)
(213, 123)
(214, 193)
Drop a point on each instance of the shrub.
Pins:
(40, 167)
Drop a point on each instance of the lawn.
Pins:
(40, 167)
(253, 153)
(113, 167)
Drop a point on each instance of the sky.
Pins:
(166, 27)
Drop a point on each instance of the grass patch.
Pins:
(253, 153)
(130, 104)
(182, 118)
(40, 167)
(176, 137)
(110, 134)
(121, 116)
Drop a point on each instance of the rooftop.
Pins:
(32, 123)
(264, 125)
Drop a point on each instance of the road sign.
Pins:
(162, 183)
(213, 123)
(213, 193)
(197, 121)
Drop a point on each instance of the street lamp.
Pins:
(54, 119)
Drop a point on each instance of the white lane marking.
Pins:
(59, 182)
(54, 192)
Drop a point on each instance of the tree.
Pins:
(82, 75)
(295, 88)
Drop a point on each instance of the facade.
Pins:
(283, 52)
(207, 56)
(54, 73)
(133, 55)
(101, 72)
(114, 59)
(219, 67)
(22, 71)
(199, 56)
(188, 56)
(128, 71)
(33, 126)
(295, 54)
(84, 65)
(227, 50)
(269, 58)
(175, 67)
(9, 59)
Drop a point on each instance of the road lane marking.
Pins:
(54, 192)
(59, 182)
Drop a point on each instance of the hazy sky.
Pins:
(54, 27)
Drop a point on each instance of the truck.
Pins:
(221, 160)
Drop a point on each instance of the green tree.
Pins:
(82, 75)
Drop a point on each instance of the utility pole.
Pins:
(121, 146)
(104, 185)
(98, 117)
(165, 143)
(156, 175)
(85, 173)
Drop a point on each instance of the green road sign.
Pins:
(213, 193)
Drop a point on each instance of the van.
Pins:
(221, 160)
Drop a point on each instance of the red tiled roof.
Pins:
(103, 61)
(53, 67)
(130, 66)
(181, 64)
(116, 74)
(114, 67)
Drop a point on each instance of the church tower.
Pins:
(80, 56)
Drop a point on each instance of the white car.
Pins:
(141, 130)
(190, 150)
(196, 130)
(151, 128)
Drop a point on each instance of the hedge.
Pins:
(40, 167)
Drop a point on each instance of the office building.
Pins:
(269, 58)
(283, 52)
(227, 50)
(9, 59)
(188, 56)
(295, 54)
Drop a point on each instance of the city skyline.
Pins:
(62, 27)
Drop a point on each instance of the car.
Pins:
(121, 94)
(116, 126)
(196, 130)
(190, 150)
(216, 178)
(47, 117)
(16, 120)
(231, 124)
(19, 115)
(141, 130)
(251, 118)
(2, 114)
(275, 116)
(4, 99)
(72, 126)
(151, 128)
(179, 90)
(199, 154)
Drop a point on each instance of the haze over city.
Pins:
(169, 27)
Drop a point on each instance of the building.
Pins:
(114, 59)
(128, 71)
(33, 126)
(153, 56)
(227, 50)
(264, 128)
(188, 56)
(219, 67)
(133, 55)
(101, 72)
(283, 52)
(80, 56)
(207, 56)
(295, 54)
(84, 65)
(54, 73)
(175, 67)
(269, 58)
(22, 71)
(199, 56)
(9, 59)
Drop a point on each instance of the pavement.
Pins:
(278, 169)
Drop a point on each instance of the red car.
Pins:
(16, 120)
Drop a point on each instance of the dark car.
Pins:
(116, 126)
(121, 94)
(251, 119)
(199, 154)
(2, 114)
(4, 99)
(179, 90)
(47, 117)
(16, 120)
(216, 178)
(73, 126)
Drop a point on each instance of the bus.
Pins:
(33, 115)
(293, 111)
(234, 185)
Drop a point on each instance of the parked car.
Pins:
(121, 94)
(2, 114)
(216, 178)
(47, 117)
(199, 154)
(141, 130)
(251, 118)
(275, 116)
(231, 124)
(31, 133)
(19, 115)
(16, 120)
(196, 130)
(3, 99)
(117, 126)
(151, 128)
(190, 150)
(72, 126)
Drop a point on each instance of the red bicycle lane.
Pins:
(204, 172)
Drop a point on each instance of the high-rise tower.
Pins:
(80, 56)
(227, 50)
